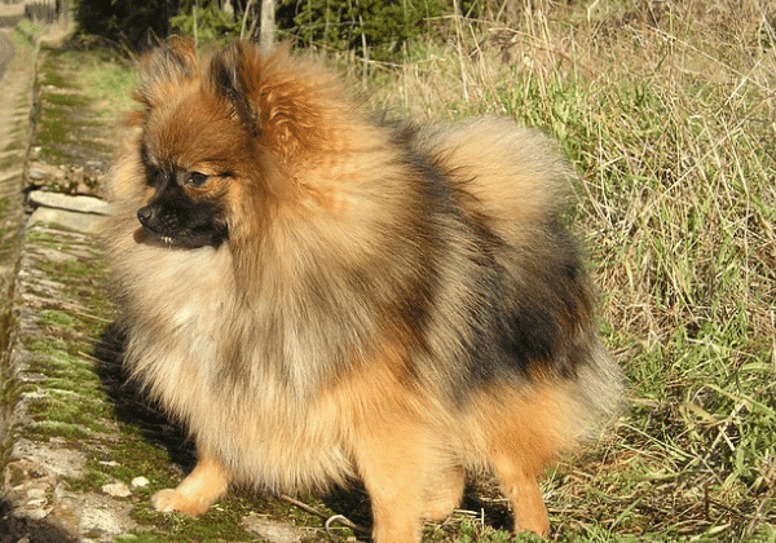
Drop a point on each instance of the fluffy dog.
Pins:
(320, 296)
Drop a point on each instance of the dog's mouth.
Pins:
(147, 237)
(185, 240)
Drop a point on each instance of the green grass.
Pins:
(668, 118)
(25, 33)
(98, 73)
(68, 100)
(80, 93)
(668, 125)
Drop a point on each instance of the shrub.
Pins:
(383, 26)
(134, 23)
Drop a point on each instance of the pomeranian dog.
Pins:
(321, 296)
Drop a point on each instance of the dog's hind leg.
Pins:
(524, 433)
(520, 486)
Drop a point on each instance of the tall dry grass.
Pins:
(668, 110)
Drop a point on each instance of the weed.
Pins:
(669, 125)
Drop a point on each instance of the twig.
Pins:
(245, 18)
(337, 518)
(366, 51)
(329, 519)
(459, 40)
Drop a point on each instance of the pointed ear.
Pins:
(172, 62)
(230, 77)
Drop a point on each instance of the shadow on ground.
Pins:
(15, 530)
(133, 406)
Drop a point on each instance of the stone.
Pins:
(139, 482)
(117, 490)
(57, 462)
(79, 203)
(101, 520)
(82, 222)
(274, 532)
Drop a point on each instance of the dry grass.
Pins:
(668, 109)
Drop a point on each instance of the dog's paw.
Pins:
(172, 500)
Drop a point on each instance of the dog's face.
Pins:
(228, 141)
(194, 147)
(177, 214)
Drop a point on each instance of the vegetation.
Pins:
(375, 28)
(131, 22)
(666, 109)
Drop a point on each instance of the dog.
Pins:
(321, 296)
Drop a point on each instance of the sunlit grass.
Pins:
(667, 112)
(670, 125)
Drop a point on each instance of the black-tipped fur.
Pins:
(226, 74)
(320, 296)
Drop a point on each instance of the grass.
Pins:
(668, 116)
(667, 113)
(80, 91)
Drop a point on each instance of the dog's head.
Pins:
(222, 138)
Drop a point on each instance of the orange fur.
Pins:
(399, 306)
(194, 495)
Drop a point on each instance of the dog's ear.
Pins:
(229, 73)
(165, 67)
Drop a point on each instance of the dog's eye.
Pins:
(197, 179)
(153, 176)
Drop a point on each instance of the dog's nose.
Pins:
(145, 215)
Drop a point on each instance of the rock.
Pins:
(117, 490)
(83, 222)
(139, 482)
(36, 493)
(79, 203)
(274, 532)
(100, 520)
(51, 460)
(46, 173)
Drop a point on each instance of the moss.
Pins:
(49, 152)
(221, 523)
(42, 344)
(135, 457)
(57, 318)
(11, 390)
(45, 430)
(91, 481)
(51, 129)
(67, 100)
(58, 80)
(41, 238)
(8, 162)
